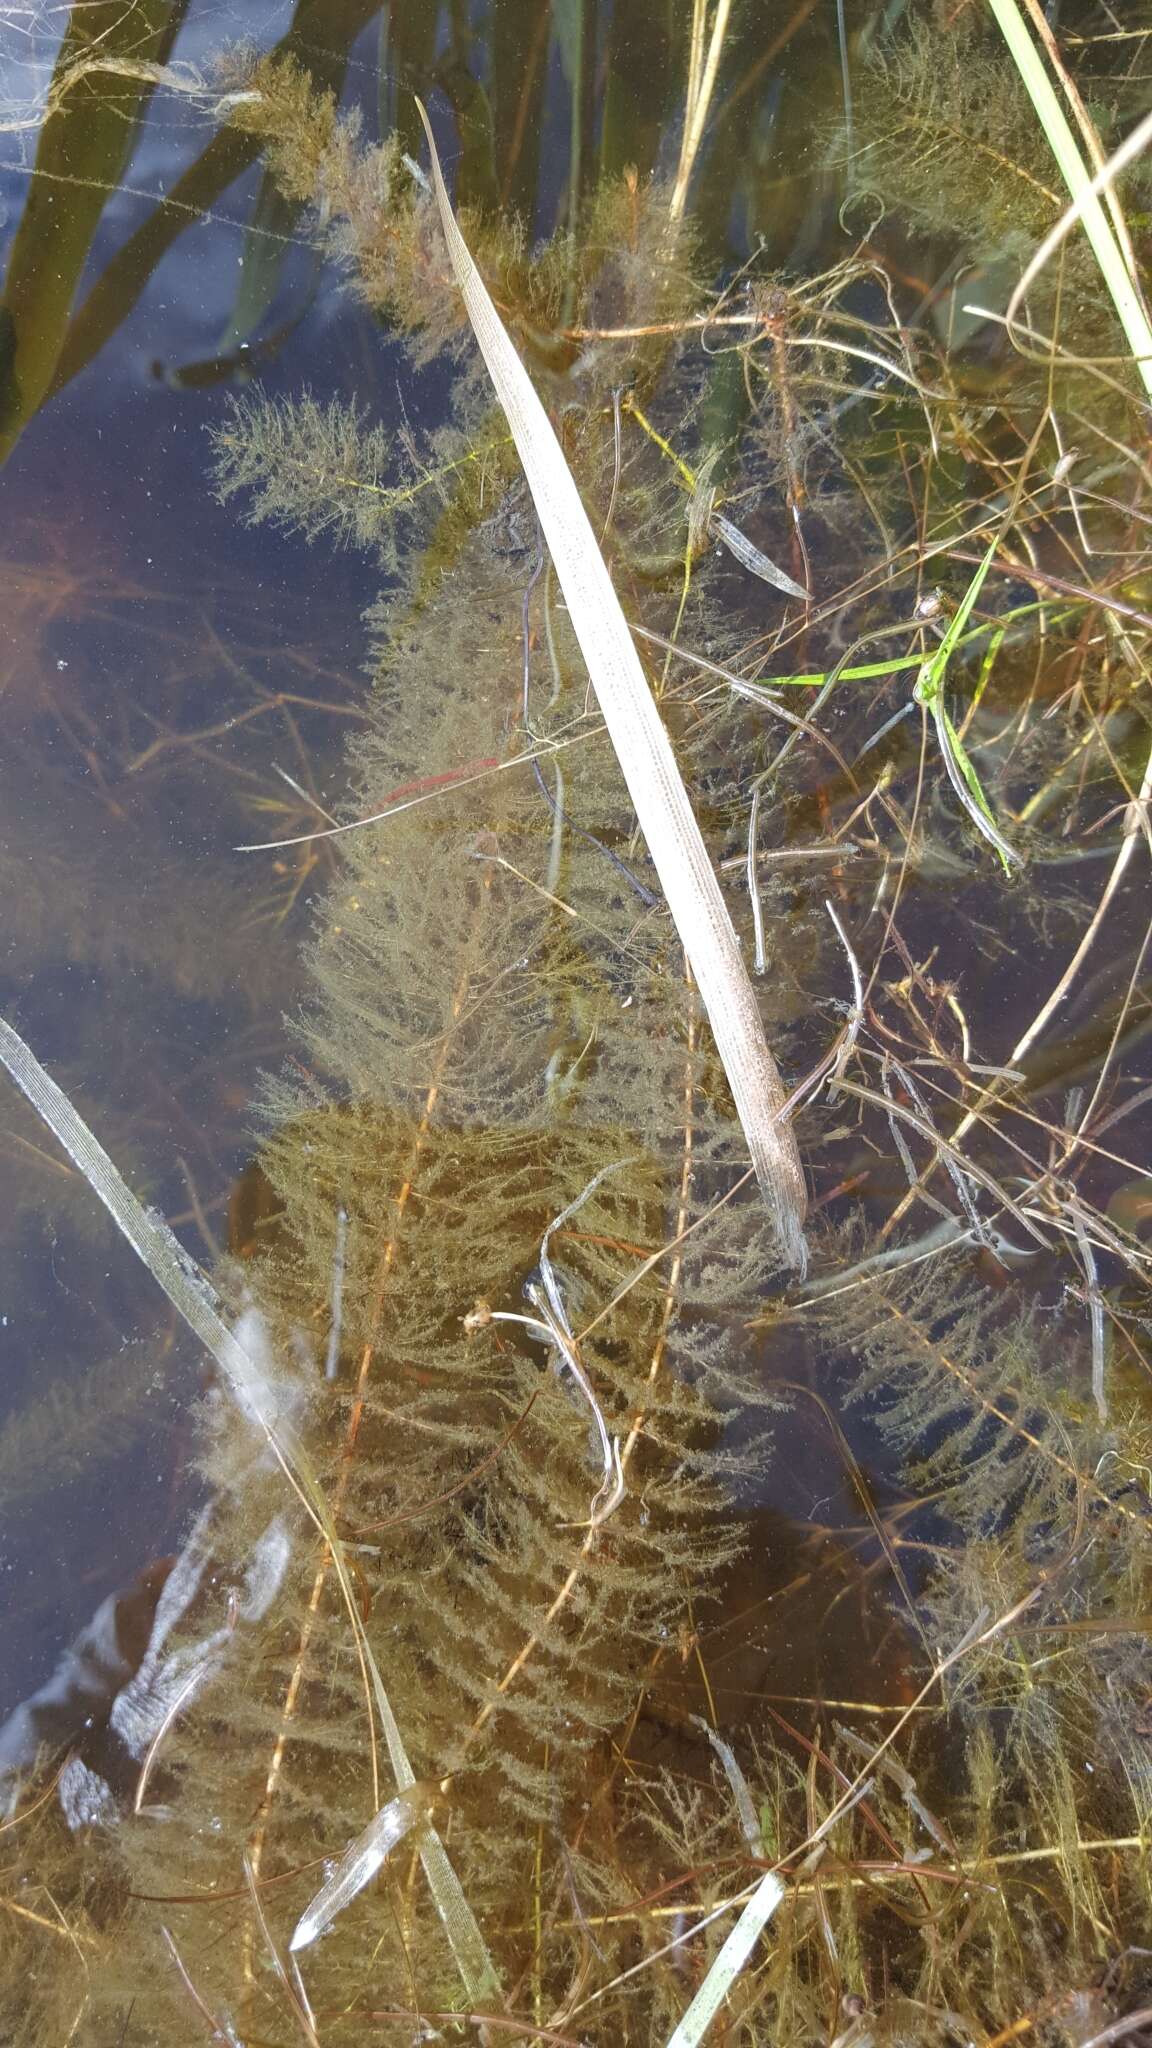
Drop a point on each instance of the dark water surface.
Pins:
(157, 662)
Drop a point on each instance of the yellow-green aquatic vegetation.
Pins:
(501, 1021)
(629, 262)
(947, 136)
(1038, 1513)
(326, 470)
(947, 131)
(55, 1436)
(500, 1018)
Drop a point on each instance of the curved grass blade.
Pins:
(646, 759)
(1122, 287)
(929, 691)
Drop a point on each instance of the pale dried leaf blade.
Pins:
(751, 557)
(645, 756)
(362, 1859)
(729, 1963)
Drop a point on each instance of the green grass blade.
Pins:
(929, 691)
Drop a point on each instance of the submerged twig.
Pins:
(220, 2030)
(759, 961)
(550, 1325)
(294, 1990)
(856, 1016)
(749, 1824)
(1095, 1303)
(339, 1255)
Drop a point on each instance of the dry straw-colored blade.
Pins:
(363, 1858)
(645, 755)
(729, 1963)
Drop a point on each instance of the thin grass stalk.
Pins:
(528, 1649)
(1083, 119)
(698, 98)
(1135, 831)
(1133, 146)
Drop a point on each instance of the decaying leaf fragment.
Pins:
(365, 1856)
(645, 755)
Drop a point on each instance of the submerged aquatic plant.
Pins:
(500, 1047)
(524, 1337)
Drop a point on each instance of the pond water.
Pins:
(640, 1577)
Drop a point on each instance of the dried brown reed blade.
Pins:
(646, 759)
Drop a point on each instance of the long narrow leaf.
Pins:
(645, 755)
(362, 1859)
(729, 1963)
(1078, 178)
(754, 558)
(929, 691)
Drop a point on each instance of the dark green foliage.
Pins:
(627, 263)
